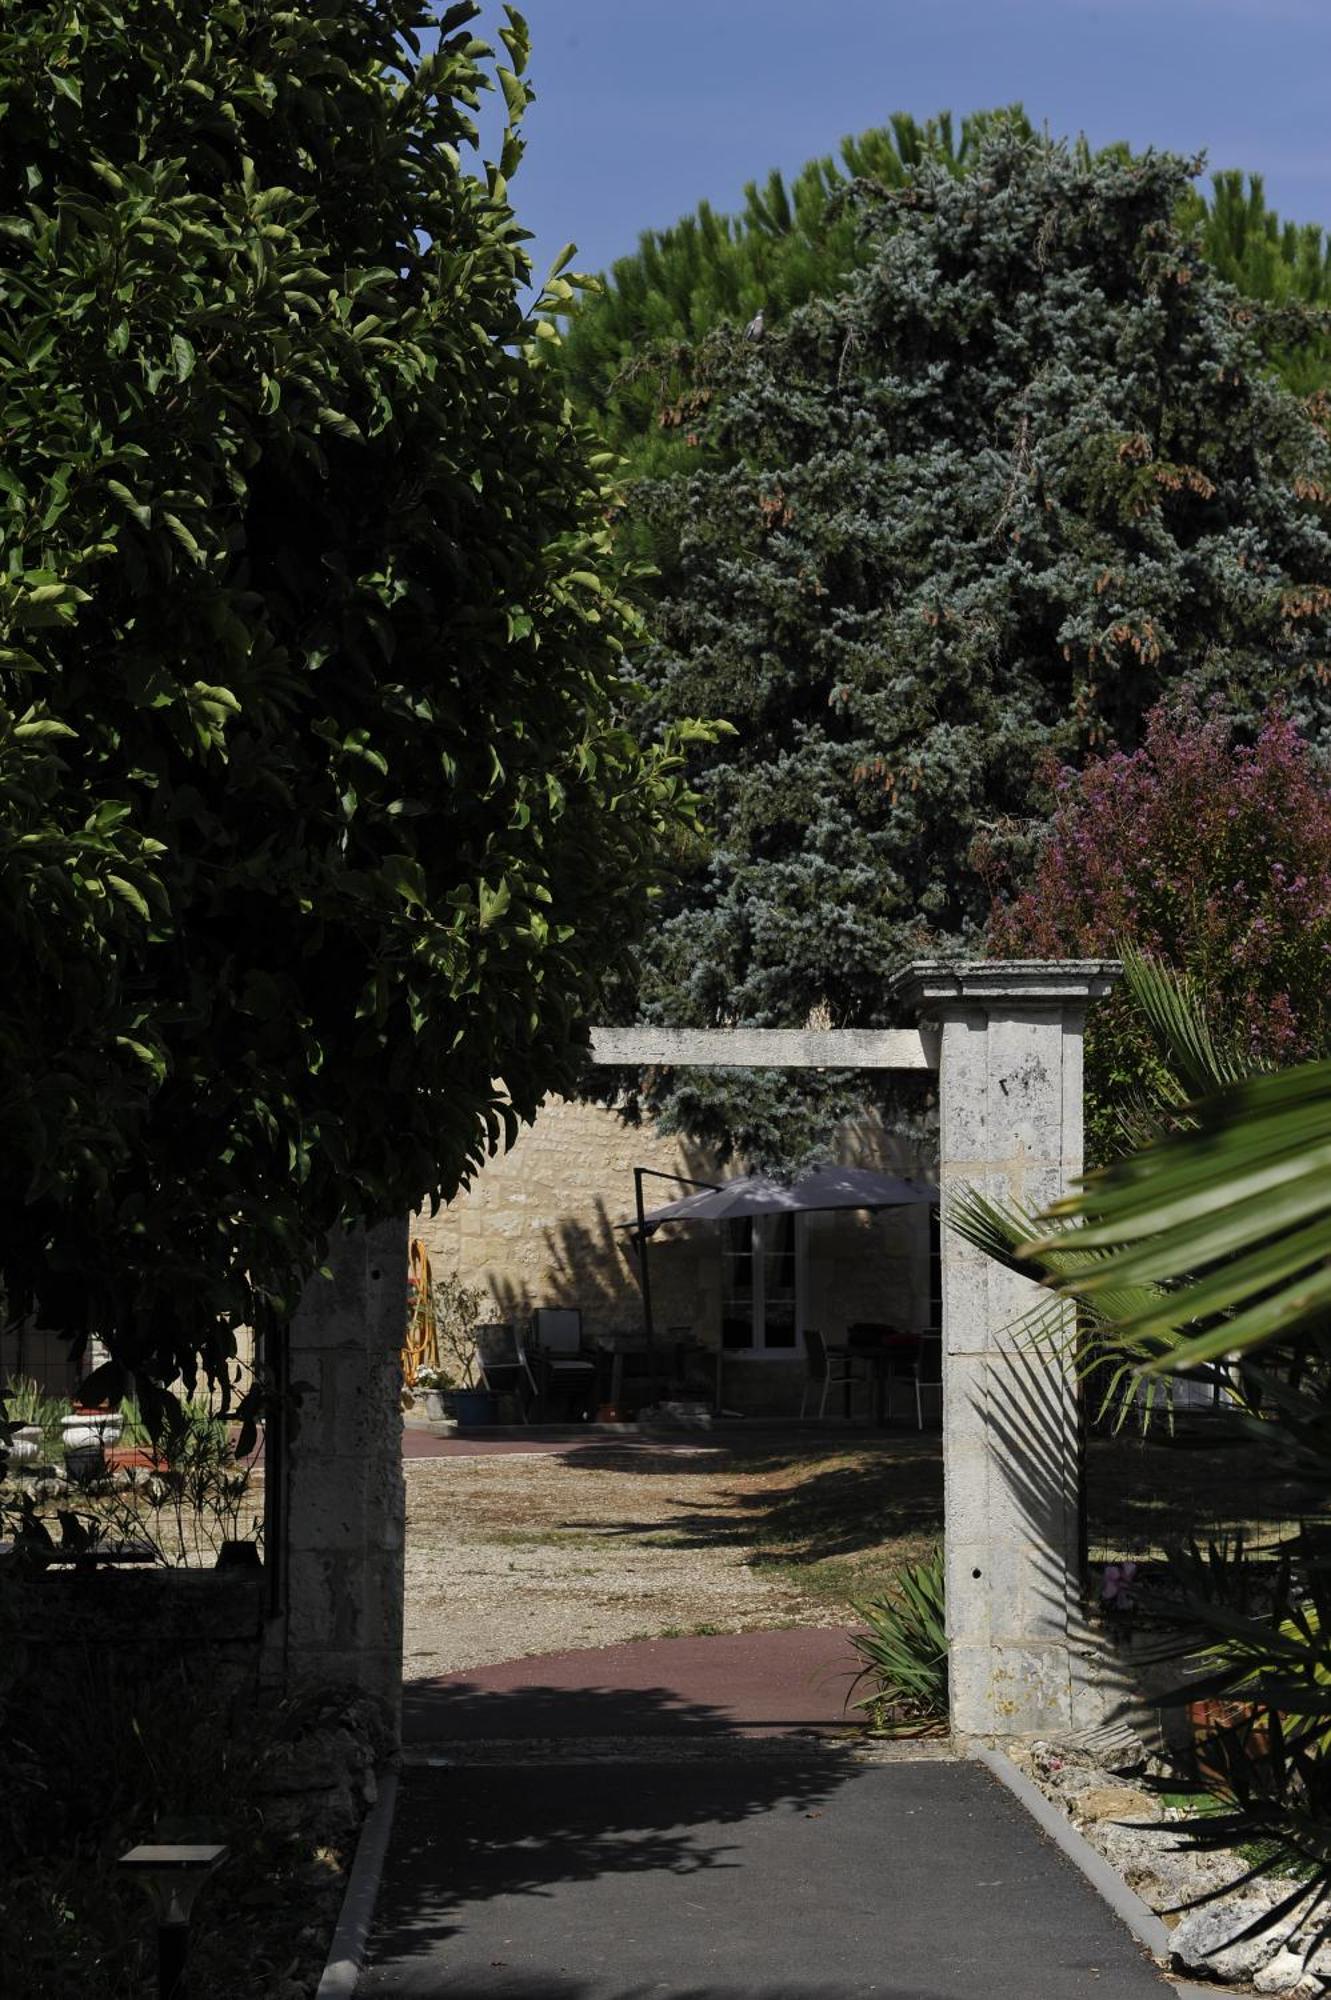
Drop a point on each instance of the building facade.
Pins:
(543, 1225)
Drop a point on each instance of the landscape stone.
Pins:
(1286, 1974)
(1202, 1942)
(1115, 1802)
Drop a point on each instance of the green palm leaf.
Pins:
(1228, 1221)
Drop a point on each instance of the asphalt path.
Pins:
(798, 1874)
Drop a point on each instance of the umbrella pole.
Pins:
(646, 1280)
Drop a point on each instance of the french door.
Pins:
(762, 1284)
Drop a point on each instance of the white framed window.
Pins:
(762, 1285)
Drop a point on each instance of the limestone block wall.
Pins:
(537, 1227)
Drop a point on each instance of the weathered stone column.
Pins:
(1010, 1091)
(338, 1619)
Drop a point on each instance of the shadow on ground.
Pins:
(864, 1491)
(812, 1682)
(771, 1875)
(527, 1830)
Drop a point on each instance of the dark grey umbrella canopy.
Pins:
(828, 1187)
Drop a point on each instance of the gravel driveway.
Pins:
(533, 1553)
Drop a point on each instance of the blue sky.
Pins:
(646, 106)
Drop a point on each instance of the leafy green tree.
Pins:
(968, 521)
(318, 810)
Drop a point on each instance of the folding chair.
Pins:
(561, 1361)
(503, 1367)
(833, 1367)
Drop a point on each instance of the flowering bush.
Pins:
(1211, 854)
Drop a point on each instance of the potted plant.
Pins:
(25, 1443)
(432, 1383)
(439, 1358)
(84, 1435)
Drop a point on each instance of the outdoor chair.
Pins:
(833, 1367)
(889, 1355)
(560, 1360)
(927, 1372)
(503, 1367)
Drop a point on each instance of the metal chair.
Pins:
(560, 1360)
(927, 1372)
(503, 1366)
(889, 1355)
(834, 1367)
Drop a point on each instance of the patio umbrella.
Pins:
(758, 1194)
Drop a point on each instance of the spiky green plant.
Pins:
(904, 1651)
(26, 1402)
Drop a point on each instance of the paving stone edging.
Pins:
(1148, 1929)
(346, 1953)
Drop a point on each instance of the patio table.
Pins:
(885, 1354)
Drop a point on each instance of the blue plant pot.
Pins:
(474, 1408)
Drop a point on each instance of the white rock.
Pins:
(1286, 1974)
(1202, 1941)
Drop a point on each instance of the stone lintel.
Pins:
(762, 1048)
(930, 983)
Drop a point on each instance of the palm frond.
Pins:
(1226, 1227)
(1172, 1008)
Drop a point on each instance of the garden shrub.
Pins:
(1213, 855)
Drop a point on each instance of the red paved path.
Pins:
(731, 1683)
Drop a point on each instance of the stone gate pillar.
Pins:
(1010, 1114)
(337, 1614)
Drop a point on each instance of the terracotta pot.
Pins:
(1238, 1724)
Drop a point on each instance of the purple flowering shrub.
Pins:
(1212, 854)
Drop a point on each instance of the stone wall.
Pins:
(537, 1227)
(136, 1621)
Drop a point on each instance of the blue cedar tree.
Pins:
(626, 351)
(968, 521)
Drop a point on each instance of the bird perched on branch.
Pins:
(754, 329)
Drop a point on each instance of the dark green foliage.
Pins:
(316, 812)
(1025, 474)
